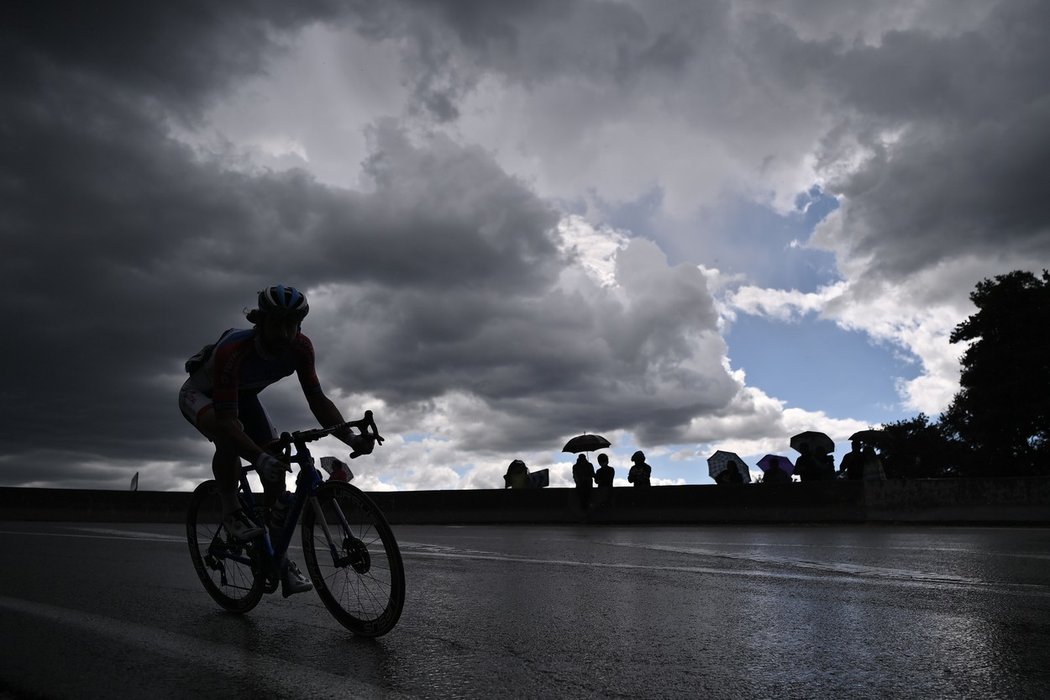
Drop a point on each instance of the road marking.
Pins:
(777, 568)
(100, 533)
(133, 534)
(283, 678)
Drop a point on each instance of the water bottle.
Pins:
(280, 510)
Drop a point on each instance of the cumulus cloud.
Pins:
(923, 117)
(639, 351)
(900, 316)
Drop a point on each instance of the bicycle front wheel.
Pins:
(353, 559)
(227, 568)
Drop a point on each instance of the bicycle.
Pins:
(349, 548)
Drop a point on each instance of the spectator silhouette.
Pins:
(640, 471)
(517, 476)
(872, 465)
(604, 476)
(583, 475)
(731, 474)
(853, 462)
(776, 475)
(827, 467)
(814, 467)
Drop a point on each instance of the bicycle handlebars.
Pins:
(366, 425)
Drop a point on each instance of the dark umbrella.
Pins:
(821, 443)
(868, 437)
(586, 443)
(779, 461)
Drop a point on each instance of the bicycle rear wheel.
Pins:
(227, 568)
(353, 559)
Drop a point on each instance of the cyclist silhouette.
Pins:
(221, 399)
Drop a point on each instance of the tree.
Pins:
(1002, 412)
(918, 449)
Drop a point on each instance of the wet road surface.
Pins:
(116, 611)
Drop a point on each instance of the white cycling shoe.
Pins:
(293, 581)
(240, 528)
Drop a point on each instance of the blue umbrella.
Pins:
(779, 461)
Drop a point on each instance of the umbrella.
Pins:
(779, 461)
(719, 462)
(821, 443)
(585, 443)
(869, 437)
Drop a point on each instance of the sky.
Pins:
(686, 226)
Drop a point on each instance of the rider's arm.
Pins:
(321, 406)
(327, 414)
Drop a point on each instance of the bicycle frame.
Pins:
(275, 545)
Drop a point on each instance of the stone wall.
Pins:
(978, 501)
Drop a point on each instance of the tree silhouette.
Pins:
(918, 449)
(1002, 412)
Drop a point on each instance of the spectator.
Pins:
(827, 467)
(853, 462)
(640, 471)
(731, 475)
(814, 467)
(604, 476)
(872, 465)
(517, 476)
(583, 475)
(776, 475)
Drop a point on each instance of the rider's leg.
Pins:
(225, 463)
(198, 409)
(226, 468)
(259, 427)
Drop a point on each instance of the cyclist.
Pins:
(220, 398)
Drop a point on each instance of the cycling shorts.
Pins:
(257, 424)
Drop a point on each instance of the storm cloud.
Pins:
(128, 249)
(461, 272)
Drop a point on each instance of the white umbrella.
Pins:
(719, 462)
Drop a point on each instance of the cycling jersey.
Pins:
(239, 366)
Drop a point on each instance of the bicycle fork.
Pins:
(356, 552)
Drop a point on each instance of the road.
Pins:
(115, 611)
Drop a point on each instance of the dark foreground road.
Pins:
(115, 611)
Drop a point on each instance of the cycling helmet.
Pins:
(284, 301)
